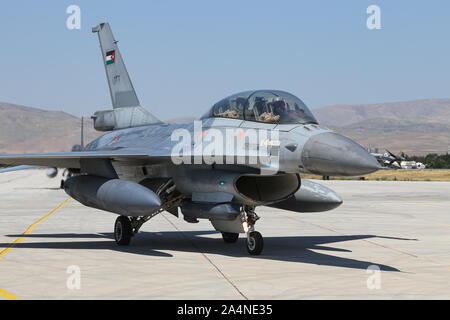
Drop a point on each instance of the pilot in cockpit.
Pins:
(270, 117)
(269, 113)
(229, 113)
(271, 107)
(280, 108)
(231, 109)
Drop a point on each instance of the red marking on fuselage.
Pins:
(241, 135)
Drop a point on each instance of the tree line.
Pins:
(432, 160)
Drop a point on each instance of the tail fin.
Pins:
(120, 86)
(127, 111)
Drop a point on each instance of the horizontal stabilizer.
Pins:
(122, 118)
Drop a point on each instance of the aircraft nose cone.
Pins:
(330, 154)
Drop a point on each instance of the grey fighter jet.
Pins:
(389, 159)
(248, 150)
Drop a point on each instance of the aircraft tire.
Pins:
(123, 231)
(255, 243)
(229, 237)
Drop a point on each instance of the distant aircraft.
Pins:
(388, 158)
(143, 166)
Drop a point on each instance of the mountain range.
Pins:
(415, 127)
(26, 130)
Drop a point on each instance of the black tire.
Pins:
(255, 243)
(123, 231)
(229, 237)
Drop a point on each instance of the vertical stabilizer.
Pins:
(127, 112)
(120, 86)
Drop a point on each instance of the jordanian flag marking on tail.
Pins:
(110, 57)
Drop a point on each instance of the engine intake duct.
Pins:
(212, 211)
(249, 189)
(266, 189)
(117, 196)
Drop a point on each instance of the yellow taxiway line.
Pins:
(8, 295)
(4, 293)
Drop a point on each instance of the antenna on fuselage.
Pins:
(80, 147)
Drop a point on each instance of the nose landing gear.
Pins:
(255, 242)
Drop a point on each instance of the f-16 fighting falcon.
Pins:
(248, 150)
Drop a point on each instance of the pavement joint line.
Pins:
(396, 250)
(13, 180)
(365, 240)
(207, 259)
(380, 245)
(3, 292)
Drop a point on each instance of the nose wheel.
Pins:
(255, 243)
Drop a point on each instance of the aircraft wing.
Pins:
(71, 159)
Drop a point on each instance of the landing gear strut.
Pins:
(125, 228)
(255, 243)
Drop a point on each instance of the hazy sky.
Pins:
(183, 56)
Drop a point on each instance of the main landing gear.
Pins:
(123, 231)
(125, 228)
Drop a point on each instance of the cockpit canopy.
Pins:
(268, 106)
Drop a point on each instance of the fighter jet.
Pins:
(388, 158)
(248, 150)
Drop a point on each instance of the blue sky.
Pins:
(185, 55)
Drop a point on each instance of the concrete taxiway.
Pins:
(402, 228)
